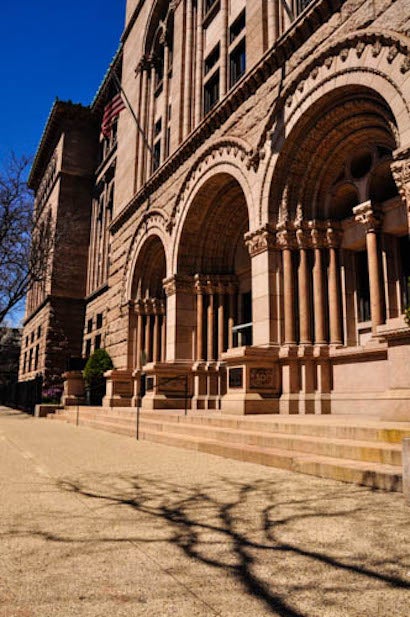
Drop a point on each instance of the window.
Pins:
(36, 357)
(39, 332)
(158, 128)
(25, 362)
(99, 321)
(32, 337)
(211, 92)
(211, 59)
(87, 348)
(89, 326)
(156, 158)
(26, 341)
(97, 342)
(237, 27)
(363, 286)
(210, 4)
(237, 63)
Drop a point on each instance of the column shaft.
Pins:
(231, 319)
(151, 118)
(188, 69)
(143, 112)
(148, 337)
(163, 338)
(164, 137)
(221, 324)
(199, 323)
(156, 351)
(376, 296)
(288, 300)
(223, 78)
(335, 324)
(318, 298)
(210, 333)
(304, 300)
(139, 341)
(198, 62)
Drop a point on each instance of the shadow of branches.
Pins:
(278, 546)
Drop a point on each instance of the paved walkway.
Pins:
(95, 524)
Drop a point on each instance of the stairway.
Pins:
(359, 450)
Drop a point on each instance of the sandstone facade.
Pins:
(247, 219)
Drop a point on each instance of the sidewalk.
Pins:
(96, 524)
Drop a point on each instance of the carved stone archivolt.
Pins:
(234, 151)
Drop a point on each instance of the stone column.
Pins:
(221, 320)
(139, 309)
(163, 335)
(148, 329)
(198, 62)
(156, 337)
(165, 94)
(372, 219)
(317, 235)
(199, 319)
(181, 317)
(303, 240)
(210, 325)
(263, 250)
(188, 70)
(286, 239)
(223, 75)
(334, 237)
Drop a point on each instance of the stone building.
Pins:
(242, 232)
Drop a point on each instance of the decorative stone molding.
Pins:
(229, 149)
(398, 51)
(401, 173)
(261, 240)
(318, 234)
(367, 215)
(303, 235)
(178, 283)
(334, 234)
(286, 236)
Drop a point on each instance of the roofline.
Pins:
(114, 66)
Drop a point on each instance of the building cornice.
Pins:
(315, 14)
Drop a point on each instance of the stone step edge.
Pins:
(301, 438)
(380, 432)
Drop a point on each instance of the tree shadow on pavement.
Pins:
(281, 548)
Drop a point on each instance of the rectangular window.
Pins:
(158, 128)
(237, 26)
(210, 4)
(97, 341)
(36, 355)
(99, 321)
(211, 92)
(32, 337)
(88, 348)
(363, 286)
(89, 326)
(211, 59)
(39, 332)
(156, 158)
(237, 63)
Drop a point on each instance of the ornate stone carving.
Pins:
(318, 234)
(286, 236)
(261, 240)
(334, 234)
(178, 284)
(401, 174)
(367, 215)
(262, 379)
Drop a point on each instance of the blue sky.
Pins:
(50, 48)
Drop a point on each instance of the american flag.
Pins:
(111, 111)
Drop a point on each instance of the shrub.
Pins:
(52, 394)
(96, 365)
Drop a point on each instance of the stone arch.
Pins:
(371, 60)
(152, 225)
(230, 157)
(158, 19)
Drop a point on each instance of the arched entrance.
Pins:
(214, 261)
(147, 331)
(342, 232)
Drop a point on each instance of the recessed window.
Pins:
(39, 332)
(209, 5)
(32, 337)
(237, 26)
(211, 59)
(211, 92)
(156, 157)
(89, 326)
(99, 321)
(97, 341)
(237, 63)
(88, 348)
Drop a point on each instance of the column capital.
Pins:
(334, 234)
(286, 236)
(143, 65)
(178, 283)
(139, 307)
(400, 168)
(368, 215)
(261, 240)
(303, 236)
(318, 233)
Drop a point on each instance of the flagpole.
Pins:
(128, 104)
